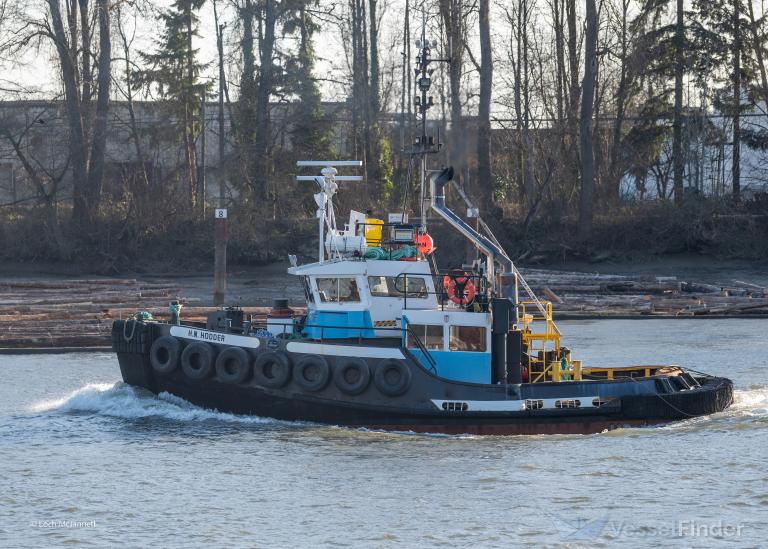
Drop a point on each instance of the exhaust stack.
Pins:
(493, 253)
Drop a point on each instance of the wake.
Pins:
(120, 400)
(751, 402)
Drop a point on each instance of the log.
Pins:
(739, 308)
(760, 290)
(552, 295)
(700, 287)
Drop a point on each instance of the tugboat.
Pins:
(389, 341)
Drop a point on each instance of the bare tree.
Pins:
(452, 12)
(46, 176)
(127, 91)
(736, 49)
(87, 162)
(375, 98)
(484, 174)
(587, 104)
(615, 168)
(677, 124)
(265, 87)
(520, 58)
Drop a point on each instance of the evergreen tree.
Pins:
(174, 71)
(312, 130)
(732, 60)
(385, 169)
(664, 54)
(666, 48)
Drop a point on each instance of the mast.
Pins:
(424, 145)
(327, 182)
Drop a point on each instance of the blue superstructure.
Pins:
(458, 365)
(339, 325)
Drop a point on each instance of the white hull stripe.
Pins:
(514, 405)
(343, 350)
(184, 332)
(486, 405)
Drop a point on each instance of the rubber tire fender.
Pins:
(303, 365)
(383, 384)
(277, 363)
(164, 354)
(233, 365)
(197, 360)
(352, 387)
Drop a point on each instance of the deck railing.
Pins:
(408, 331)
(545, 354)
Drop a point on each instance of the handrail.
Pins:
(534, 298)
(419, 344)
(332, 326)
(288, 329)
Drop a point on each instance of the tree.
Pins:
(375, 93)
(175, 72)
(484, 109)
(45, 175)
(587, 105)
(264, 88)
(244, 123)
(311, 133)
(87, 128)
(724, 43)
(616, 168)
(757, 33)
(453, 16)
(736, 49)
(368, 137)
(520, 59)
(677, 124)
(141, 195)
(571, 150)
(669, 47)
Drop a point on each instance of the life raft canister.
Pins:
(460, 289)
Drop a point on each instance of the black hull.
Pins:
(414, 411)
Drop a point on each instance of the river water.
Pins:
(88, 461)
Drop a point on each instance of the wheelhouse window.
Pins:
(398, 286)
(467, 338)
(431, 336)
(337, 290)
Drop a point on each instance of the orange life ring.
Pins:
(425, 244)
(460, 288)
